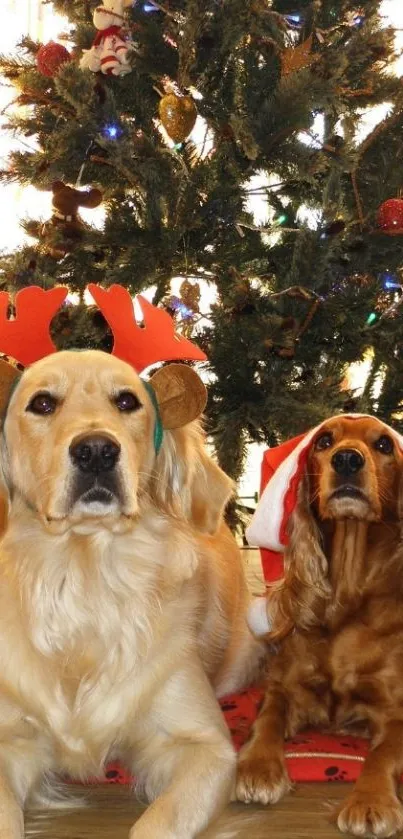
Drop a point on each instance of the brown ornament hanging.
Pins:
(178, 115)
(282, 341)
(287, 331)
(298, 58)
(241, 298)
(190, 294)
(334, 228)
(64, 231)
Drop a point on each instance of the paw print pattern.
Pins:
(240, 712)
(300, 740)
(310, 755)
(334, 773)
(115, 774)
(228, 706)
(353, 744)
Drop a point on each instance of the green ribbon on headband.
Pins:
(158, 429)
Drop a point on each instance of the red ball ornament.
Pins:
(50, 57)
(390, 217)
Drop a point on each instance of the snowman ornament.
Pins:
(111, 48)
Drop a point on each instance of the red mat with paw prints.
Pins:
(310, 756)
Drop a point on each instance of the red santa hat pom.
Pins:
(258, 618)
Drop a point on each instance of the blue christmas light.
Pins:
(185, 312)
(149, 7)
(112, 131)
(180, 307)
(389, 281)
(294, 19)
(388, 284)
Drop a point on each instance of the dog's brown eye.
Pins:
(384, 444)
(127, 401)
(42, 403)
(324, 442)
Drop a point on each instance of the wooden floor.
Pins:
(112, 810)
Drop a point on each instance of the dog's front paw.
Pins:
(376, 815)
(261, 780)
(142, 830)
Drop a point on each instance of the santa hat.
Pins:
(268, 528)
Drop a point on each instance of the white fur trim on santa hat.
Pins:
(257, 617)
(265, 528)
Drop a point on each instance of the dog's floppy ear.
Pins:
(188, 476)
(180, 393)
(8, 377)
(210, 491)
(187, 481)
(299, 598)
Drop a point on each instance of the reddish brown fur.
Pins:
(338, 620)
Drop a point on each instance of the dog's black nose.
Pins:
(95, 454)
(347, 462)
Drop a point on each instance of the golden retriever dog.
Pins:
(122, 594)
(338, 623)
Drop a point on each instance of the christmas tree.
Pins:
(175, 115)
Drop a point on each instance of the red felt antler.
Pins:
(139, 346)
(26, 338)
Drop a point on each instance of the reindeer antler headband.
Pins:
(139, 346)
(26, 339)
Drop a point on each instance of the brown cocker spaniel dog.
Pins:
(338, 624)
